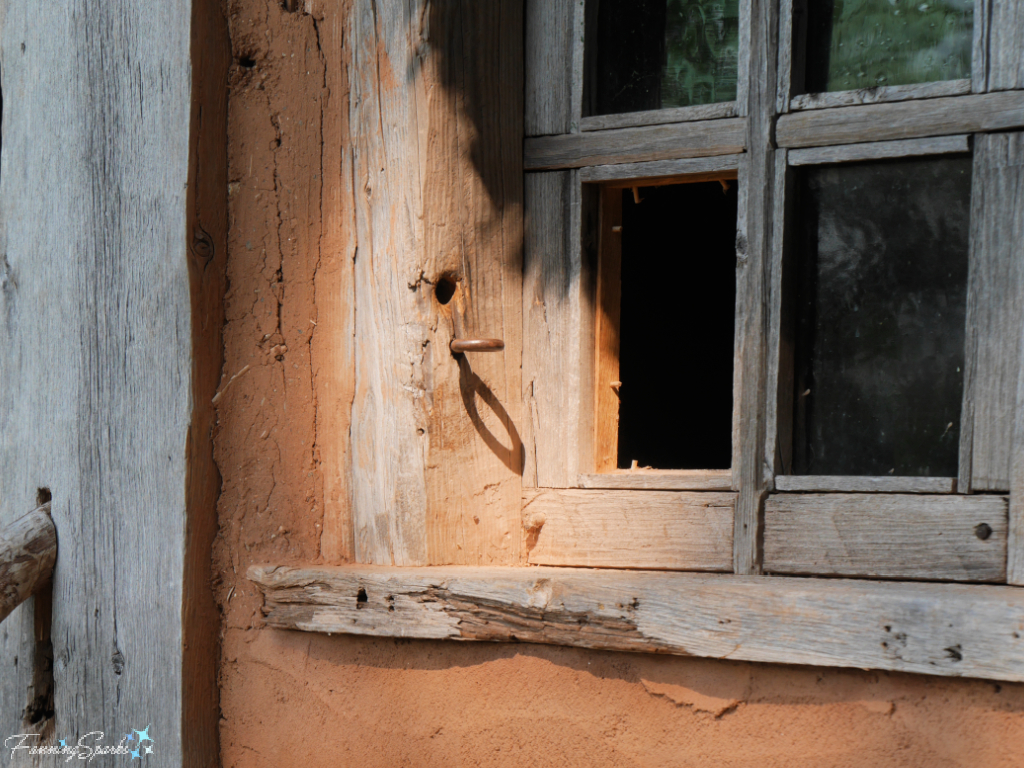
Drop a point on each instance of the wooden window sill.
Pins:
(938, 629)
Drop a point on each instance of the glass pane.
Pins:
(655, 54)
(867, 43)
(881, 295)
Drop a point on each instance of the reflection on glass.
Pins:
(881, 295)
(656, 54)
(867, 43)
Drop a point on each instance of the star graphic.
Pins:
(135, 754)
(149, 750)
(63, 743)
(144, 734)
(129, 737)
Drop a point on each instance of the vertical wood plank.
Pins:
(556, 306)
(102, 363)
(980, 45)
(1004, 67)
(609, 301)
(778, 448)
(554, 78)
(1015, 534)
(995, 308)
(752, 264)
(437, 162)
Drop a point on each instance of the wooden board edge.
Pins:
(937, 629)
(856, 484)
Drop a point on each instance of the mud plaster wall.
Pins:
(305, 700)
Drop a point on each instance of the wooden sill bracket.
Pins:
(28, 551)
(938, 629)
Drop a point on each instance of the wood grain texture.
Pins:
(942, 538)
(906, 120)
(753, 264)
(557, 307)
(1015, 536)
(854, 484)
(1002, 28)
(98, 360)
(629, 174)
(934, 629)
(778, 435)
(880, 150)
(28, 551)
(616, 529)
(880, 95)
(661, 480)
(633, 145)
(659, 116)
(995, 311)
(606, 332)
(437, 167)
(552, 102)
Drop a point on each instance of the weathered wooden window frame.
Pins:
(618, 525)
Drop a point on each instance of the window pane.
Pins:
(881, 294)
(866, 43)
(655, 54)
(676, 330)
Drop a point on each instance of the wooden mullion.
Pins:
(553, 76)
(881, 150)
(1004, 65)
(779, 387)
(609, 302)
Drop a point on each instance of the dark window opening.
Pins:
(657, 54)
(676, 329)
(880, 315)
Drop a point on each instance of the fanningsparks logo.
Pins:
(136, 744)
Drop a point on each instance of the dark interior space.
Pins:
(880, 311)
(676, 332)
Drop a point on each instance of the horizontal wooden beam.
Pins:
(864, 484)
(880, 95)
(880, 150)
(610, 529)
(705, 138)
(904, 120)
(659, 116)
(661, 480)
(644, 174)
(28, 551)
(940, 538)
(936, 629)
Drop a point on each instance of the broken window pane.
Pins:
(855, 44)
(656, 54)
(881, 295)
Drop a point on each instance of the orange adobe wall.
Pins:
(297, 699)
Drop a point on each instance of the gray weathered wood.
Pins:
(905, 120)
(103, 261)
(951, 538)
(855, 484)
(995, 311)
(552, 106)
(784, 86)
(1015, 537)
(1002, 39)
(661, 480)
(615, 529)
(634, 145)
(28, 551)
(880, 95)
(753, 264)
(556, 310)
(880, 150)
(778, 447)
(935, 629)
(659, 116)
(660, 169)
